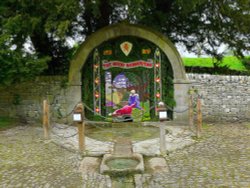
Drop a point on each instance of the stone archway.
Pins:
(181, 84)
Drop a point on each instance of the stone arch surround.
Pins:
(125, 29)
(181, 83)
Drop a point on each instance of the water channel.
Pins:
(132, 131)
(122, 169)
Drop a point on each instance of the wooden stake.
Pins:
(199, 117)
(162, 139)
(46, 119)
(81, 128)
(191, 112)
(81, 136)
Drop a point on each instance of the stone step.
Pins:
(123, 146)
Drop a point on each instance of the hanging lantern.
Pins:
(162, 110)
(158, 95)
(157, 65)
(157, 80)
(97, 110)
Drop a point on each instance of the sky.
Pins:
(181, 49)
(184, 53)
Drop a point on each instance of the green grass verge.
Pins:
(6, 123)
(231, 62)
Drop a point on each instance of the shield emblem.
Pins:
(126, 47)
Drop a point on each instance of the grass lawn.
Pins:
(6, 123)
(232, 62)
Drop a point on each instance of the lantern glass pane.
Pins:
(77, 117)
(163, 115)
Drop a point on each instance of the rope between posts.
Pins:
(70, 113)
(117, 120)
(106, 130)
(91, 110)
(140, 115)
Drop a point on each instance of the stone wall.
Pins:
(224, 98)
(25, 100)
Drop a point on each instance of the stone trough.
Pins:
(121, 165)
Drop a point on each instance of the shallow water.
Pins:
(132, 131)
(123, 182)
(122, 163)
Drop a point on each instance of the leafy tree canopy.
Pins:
(35, 34)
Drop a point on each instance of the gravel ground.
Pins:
(221, 158)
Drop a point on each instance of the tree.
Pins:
(36, 30)
(47, 25)
(17, 65)
(207, 22)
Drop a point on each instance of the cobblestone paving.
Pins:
(221, 158)
(26, 160)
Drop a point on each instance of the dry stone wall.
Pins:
(224, 98)
(25, 100)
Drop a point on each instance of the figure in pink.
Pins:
(125, 110)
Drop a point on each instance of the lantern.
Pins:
(162, 110)
(77, 114)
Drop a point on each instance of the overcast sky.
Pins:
(184, 53)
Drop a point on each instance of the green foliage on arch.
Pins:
(111, 51)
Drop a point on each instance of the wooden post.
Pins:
(162, 138)
(199, 117)
(46, 119)
(81, 128)
(191, 112)
(81, 139)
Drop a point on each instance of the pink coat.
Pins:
(125, 110)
